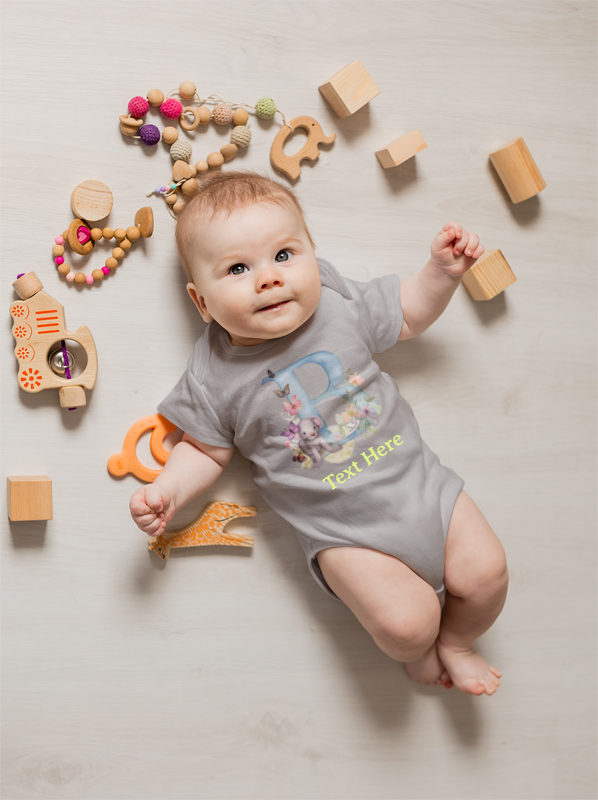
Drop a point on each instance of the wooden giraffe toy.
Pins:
(208, 528)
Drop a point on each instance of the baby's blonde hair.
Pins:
(223, 192)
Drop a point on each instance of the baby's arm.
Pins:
(424, 296)
(191, 469)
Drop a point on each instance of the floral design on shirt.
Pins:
(361, 412)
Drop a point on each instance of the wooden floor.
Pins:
(229, 673)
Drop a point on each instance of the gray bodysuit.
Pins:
(335, 449)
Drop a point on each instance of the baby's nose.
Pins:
(271, 282)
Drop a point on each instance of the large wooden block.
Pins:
(349, 89)
(489, 276)
(517, 170)
(29, 497)
(401, 149)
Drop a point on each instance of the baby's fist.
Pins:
(454, 249)
(151, 508)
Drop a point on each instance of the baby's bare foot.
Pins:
(428, 669)
(470, 673)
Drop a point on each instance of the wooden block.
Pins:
(401, 149)
(517, 170)
(489, 276)
(29, 497)
(72, 397)
(349, 89)
(91, 200)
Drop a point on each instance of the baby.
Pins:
(284, 371)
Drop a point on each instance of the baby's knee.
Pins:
(408, 634)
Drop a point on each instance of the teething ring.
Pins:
(289, 165)
(126, 461)
(189, 126)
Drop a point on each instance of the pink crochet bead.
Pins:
(59, 240)
(106, 270)
(89, 279)
(59, 260)
(70, 277)
(171, 108)
(138, 107)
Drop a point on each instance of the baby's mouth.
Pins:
(274, 306)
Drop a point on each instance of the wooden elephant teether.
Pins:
(208, 528)
(315, 136)
(40, 331)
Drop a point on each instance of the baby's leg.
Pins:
(476, 580)
(399, 609)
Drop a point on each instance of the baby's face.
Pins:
(255, 272)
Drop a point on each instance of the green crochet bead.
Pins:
(265, 108)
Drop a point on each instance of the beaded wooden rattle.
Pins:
(92, 201)
(223, 113)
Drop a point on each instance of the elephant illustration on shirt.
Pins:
(310, 441)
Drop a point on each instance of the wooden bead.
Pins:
(80, 277)
(91, 200)
(187, 89)
(65, 235)
(229, 151)
(170, 135)
(240, 116)
(97, 275)
(180, 171)
(119, 233)
(118, 253)
(172, 199)
(178, 207)
(133, 233)
(130, 122)
(57, 250)
(215, 160)
(64, 269)
(193, 170)
(96, 234)
(107, 233)
(125, 244)
(201, 167)
(111, 263)
(155, 98)
(190, 187)
(205, 115)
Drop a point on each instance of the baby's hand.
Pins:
(151, 508)
(454, 250)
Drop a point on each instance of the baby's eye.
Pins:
(286, 254)
(237, 269)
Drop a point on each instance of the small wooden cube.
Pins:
(489, 276)
(401, 149)
(517, 170)
(349, 90)
(29, 497)
(72, 396)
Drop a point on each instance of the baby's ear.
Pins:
(199, 302)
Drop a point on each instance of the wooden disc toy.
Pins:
(91, 200)
(126, 461)
(289, 165)
(207, 529)
(39, 329)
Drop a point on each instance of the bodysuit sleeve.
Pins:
(379, 305)
(189, 408)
